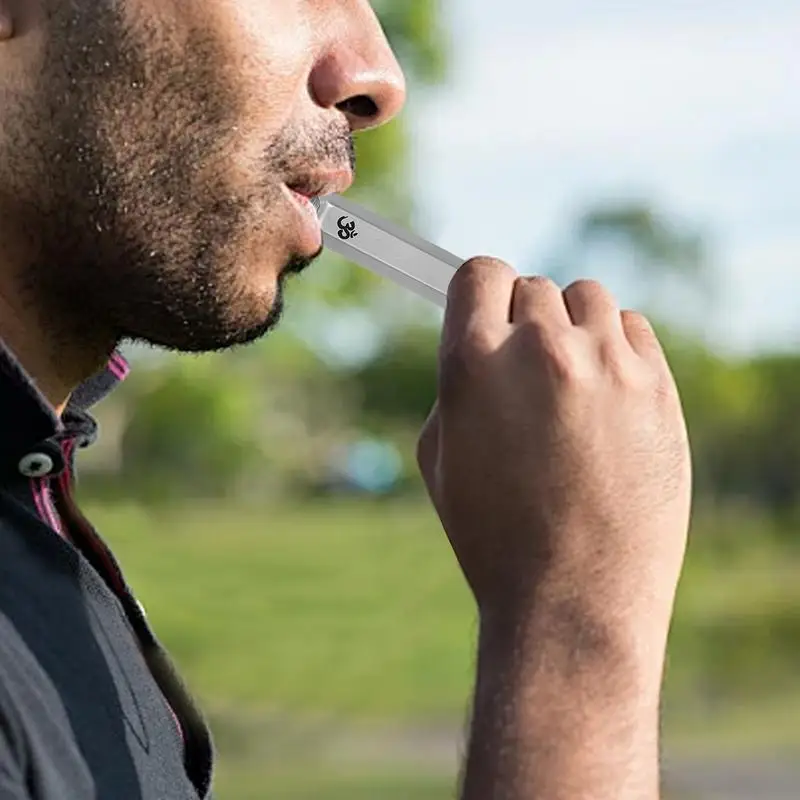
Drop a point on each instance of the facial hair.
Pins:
(117, 164)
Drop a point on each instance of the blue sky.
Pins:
(695, 105)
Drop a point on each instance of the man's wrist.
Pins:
(562, 709)
(568, 639)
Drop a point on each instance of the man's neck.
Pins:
(28, 343)
(55, 365)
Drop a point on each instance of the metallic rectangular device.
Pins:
(376, 244)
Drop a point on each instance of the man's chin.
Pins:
(216, 329)
(213, 336)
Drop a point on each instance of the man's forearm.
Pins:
(559, 715)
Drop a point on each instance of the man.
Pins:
(156, 159)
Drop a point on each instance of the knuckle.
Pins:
(472, 346)
(539, 283)
(568, 371)
(532, 334)
(643, 338)
(572, 369)
(559, 354)
(589, 289)
(625, 370)
(637, 324)
(613, 355)
(464, 360)
(481, 268)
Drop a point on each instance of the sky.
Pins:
(694, 106)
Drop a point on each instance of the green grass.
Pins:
(355, 615)
(359, 609)
(253, 784)
(352, 609)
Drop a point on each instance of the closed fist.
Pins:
(556, 455)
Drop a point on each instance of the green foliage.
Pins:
(741, 416)
(762, 457)
(660, 245)
(399, 387)
(190, 433)
(415, 30)
(669, 258)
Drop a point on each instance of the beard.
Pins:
(151, 204)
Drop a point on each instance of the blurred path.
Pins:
(431, 750)
(732, 779)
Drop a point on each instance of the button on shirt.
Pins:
(90, 704)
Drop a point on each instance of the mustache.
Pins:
(297, 148)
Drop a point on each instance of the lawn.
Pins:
(299, 626)
(251, 784)
(353, 610)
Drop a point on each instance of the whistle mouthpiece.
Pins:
(366, 239)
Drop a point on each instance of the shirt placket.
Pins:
(39, 467)
(41, 489)
(77, 522)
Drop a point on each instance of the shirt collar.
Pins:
(27, 418)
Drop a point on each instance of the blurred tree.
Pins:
(398, 388)
(415, 30)
(669, 260)
(190, 434)
(741, 416)
(721, 401)
(658, 245)
(761, 459)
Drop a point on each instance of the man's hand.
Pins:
(557, 459)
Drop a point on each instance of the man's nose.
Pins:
(357, 72)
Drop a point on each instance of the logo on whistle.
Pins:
(347, 230)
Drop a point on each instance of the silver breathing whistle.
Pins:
(386, 249)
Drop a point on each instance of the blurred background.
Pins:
(289, 557)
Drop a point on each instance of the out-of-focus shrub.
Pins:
(191, 433)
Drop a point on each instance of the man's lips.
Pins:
(320, 183)
(307, 231)
(301, 190)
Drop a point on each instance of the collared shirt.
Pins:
(90, 704)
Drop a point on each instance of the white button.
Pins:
(36, 465)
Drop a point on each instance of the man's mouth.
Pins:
(303, 198)
(302, 190)
(320, 183)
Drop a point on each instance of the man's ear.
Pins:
(6, 23)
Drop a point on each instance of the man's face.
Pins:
(149, 148)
